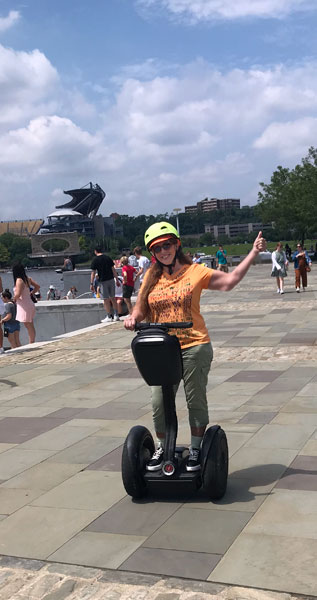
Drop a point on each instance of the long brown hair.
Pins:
(153, 275)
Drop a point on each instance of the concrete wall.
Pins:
(63, 316)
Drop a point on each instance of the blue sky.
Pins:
(161, 102)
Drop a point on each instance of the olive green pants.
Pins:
(196, 366)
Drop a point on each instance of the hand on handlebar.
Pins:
(130, 323)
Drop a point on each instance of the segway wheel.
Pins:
(215, 468)
(137, 451)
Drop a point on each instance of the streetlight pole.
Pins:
(177, 210)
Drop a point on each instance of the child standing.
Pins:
(11, 325)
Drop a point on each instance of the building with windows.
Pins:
(210, 204)
(235, 229)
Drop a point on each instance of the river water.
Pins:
(44, 277)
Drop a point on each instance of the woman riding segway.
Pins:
(171, 292)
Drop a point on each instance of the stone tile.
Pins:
(119, 428)
(134, 518)
(64, 413)
(261, 561)
(15, 430)
(284, 418)
(132, 372)
(285, 385)
(239, 341)
(236, 440)
(301, 404)
(285, 507)
(281, 436)
(5, 447)
(17, 460)
(255, 376)
(299, 340)
(308, 390)
(301, 474)
(310, 449)
(241, 495)
(109, 462)
(262, 465)
(87, 490)
(30, 411)
(87, 450)
(237, 388)
(44, 476)
(36, 532)
(295, 372)
(12, 499)
(104, 550)
(175, 563)
(186, 530)
(113, 410)
(59, 438)
(258, 417)
(276, 400)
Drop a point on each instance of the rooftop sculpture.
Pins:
(85, 200)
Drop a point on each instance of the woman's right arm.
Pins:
(136, 316)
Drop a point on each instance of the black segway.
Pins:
(159, 360)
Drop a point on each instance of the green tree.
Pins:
(4, 255)
(289, 200)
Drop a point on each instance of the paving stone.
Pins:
(193, 565)
(41, 585)
(74, 571)
(63, 591)
(21, 563)
(301, 474)
(104, 550)
(134, 518)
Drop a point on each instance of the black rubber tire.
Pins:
(137, 451)
(215, 474)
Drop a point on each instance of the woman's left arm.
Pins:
(224, 282)
(36, 286)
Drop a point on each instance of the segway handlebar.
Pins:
(175, 325)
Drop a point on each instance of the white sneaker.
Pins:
(116, 318)
(106, 320)
(278, 290)
(297, 290)
(1, 351)
(282, 292)
(304, 289)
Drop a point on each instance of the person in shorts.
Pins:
(221, 257)
(129, 275)
(11, 325)
(104, 266)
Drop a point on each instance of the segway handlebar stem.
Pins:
(176, 325)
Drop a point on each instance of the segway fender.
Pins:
(208, 439)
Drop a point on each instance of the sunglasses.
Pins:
(166, 246)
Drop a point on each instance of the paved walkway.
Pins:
(65, 409)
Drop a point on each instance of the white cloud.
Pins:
(8, 22)
(210, 10)
(290, 138)
(28, 82)
(51, 145)
(191, 132)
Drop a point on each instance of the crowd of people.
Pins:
(18, 306)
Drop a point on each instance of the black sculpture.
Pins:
(86, 201)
